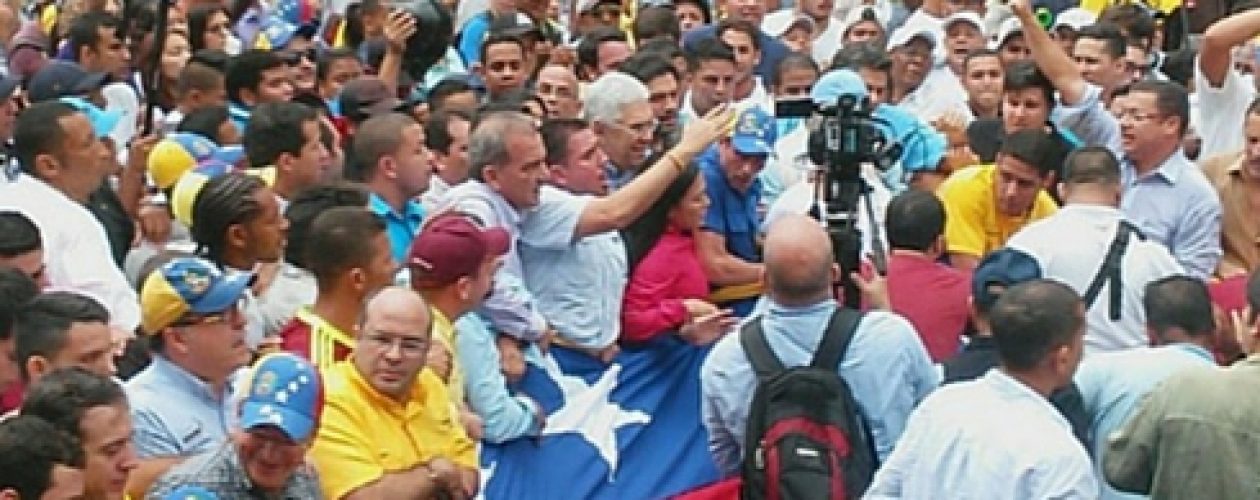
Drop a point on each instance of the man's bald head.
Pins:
(395, 305)
(800, 267)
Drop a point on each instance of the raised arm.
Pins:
(1058, 66)
(1220, 38)
(623, 206)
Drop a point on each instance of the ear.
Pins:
(490, 176)
(387, 167)
(557, 175)
(358, 278)
(1050, 182)
(463, 286)
(36, 366)
(46, 166)
(237, 236)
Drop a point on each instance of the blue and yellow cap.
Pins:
(188, 285)
(753, 134)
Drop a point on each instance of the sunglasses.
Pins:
(292, 57)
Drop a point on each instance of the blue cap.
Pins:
(828, 89)
(275, 33)
(62, 79)
(103, 121)
(284, 391)
(1005, 268)
(188, 285)
(754, 133)
(190, 493)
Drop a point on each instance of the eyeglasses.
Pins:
(642, 129)
(410, 347)
(1136, 115)
(226, 316)
(293, 57)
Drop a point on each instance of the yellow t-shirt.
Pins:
(973, 225)
(364, 435)
(444, 333)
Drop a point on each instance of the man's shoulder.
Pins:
(967, 181)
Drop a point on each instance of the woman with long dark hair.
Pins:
(667, 283)
(208, 27)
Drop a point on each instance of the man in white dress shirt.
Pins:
(61, 162)
(998, 436)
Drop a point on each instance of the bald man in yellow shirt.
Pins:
(388, 430)
(986, 204)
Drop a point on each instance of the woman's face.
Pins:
(689, 213)
(174, 56)
(217, 27)
(689, 16)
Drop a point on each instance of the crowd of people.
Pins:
(252, 249)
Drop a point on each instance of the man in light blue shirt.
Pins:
(504, 416)
(1112, 384)
(998, 436)
(1166, 195)
(886, 365)
(390, 157)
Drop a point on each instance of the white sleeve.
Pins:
(1218, 117)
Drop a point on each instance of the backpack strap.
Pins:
(753, 338)
(836, 339)
(1109, 271)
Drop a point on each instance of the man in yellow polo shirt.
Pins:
(986, 204)
(387, 429)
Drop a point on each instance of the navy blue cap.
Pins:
(1003, 268)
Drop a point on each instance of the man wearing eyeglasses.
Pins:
(267, 454)
(387, 429)
(180, 402)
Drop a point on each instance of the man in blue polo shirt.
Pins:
(728, 245)
(392, 160)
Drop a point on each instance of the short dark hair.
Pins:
(497, 38)
(205, 122)
(85, 30)
(1091, 165)
(198, 76)
(1133, 20)
(326, 60)
(18, 235)
(341, 239)
(588, 48)
(979, 53)
(244, 72)
(211, 58)
(16, 289)
(38, 131)
(65, 394)
(1179, 302)
(707, 49)
(1171, 99)
(661, 47)
(29, 449)
(1037, 148)
(1109, 34)
(648, 66)
(199, 23)
(377, 137)
(741, 25)
(556, 133)
(446, 88)
(437, 132)
(914, 221)
(223, 201)
(40, 328)
(655, 22)
(308, 204)
(276, 128)
(1032, 319)
(864, 55)
(793, 60)
(1023, 75)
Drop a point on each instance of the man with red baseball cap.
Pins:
(452, 263)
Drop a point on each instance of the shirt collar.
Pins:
(1091, 210)
(412, 210)
(1170, 170)
(185, 380)
(826, 306)
(1011, 388)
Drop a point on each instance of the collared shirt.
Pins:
(221, 473)
(973, 225)
(1090, 121)
(510, 309)
(886, 368)
(1194, 436)
(175, 413)
(1091, 230)
(433, 197)
(1218, 118)
(239, 114)
(941, 320)
(940, 93)
(76, 250)
(988, 438)
(310, 336)
(668, 274)
(364, 434)
(732, 214)
(504, 416)
(1113, 385)
(561, 272)
(1176, 205)
(1240, 202)
(400, 227)
(445, 334)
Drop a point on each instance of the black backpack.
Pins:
(806, 437)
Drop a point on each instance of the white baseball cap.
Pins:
(1074, 18)
(965, 16)
(906, 33)
(1010, 27)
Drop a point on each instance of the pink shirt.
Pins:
(934, 298)
(669, 273)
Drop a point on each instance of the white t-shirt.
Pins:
(1219, 116)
